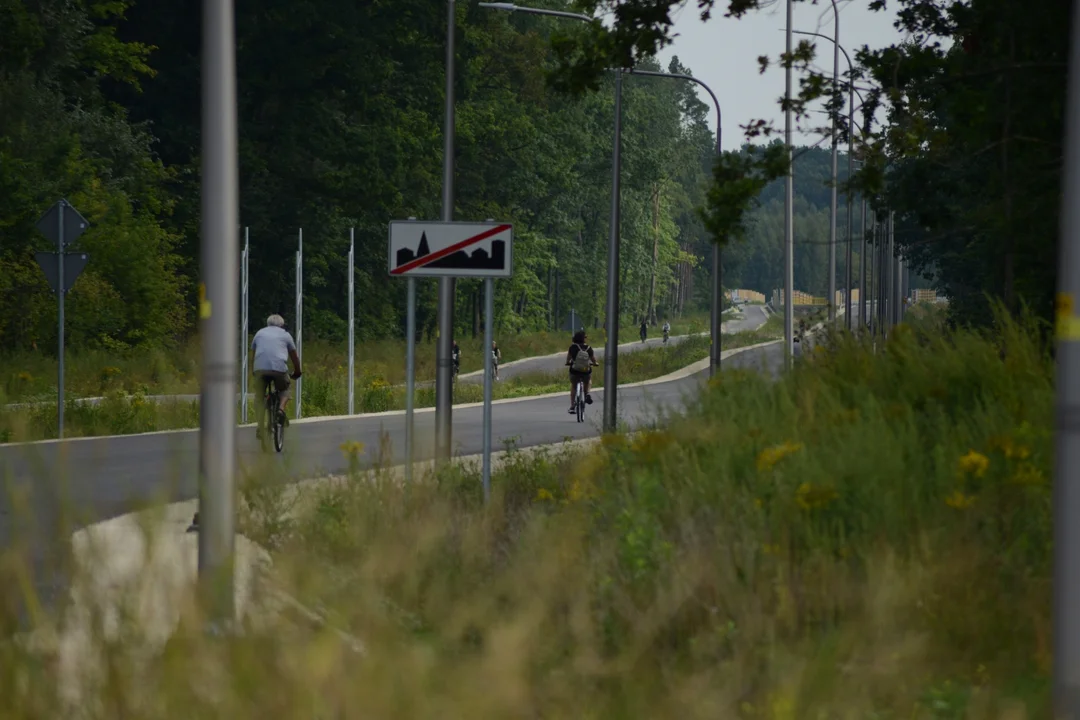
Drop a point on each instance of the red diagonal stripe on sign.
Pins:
(432, 257)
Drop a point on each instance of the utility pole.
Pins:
(611, 348)
(832, 198)
(1066, 584)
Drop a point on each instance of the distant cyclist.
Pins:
(667, 330)
(581, 360)
(273, 347)
(644, 330)
(455, 353)
(496, 358)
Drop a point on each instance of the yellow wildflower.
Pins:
(1008, 448)
(543, 495)
(352, 447)
(810, 496)
(770, 549)
(768, 457)
(959, 500)
(613, 441)
(974, 463)
(25, 376)
(758, 503)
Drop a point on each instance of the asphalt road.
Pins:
(752, 318)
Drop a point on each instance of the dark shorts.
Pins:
(576, 376)
(280, 380)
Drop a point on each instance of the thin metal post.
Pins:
(489, 311)
(850, 208)
(896, 264)
(444, 377)
(299, 313)
(862, 269)
(352, 323)
(611, 349)
(217, 308)
(832, 195)
(61, 292)
(1066, 584)
(244, 327)
(789, 206)
(410, 372)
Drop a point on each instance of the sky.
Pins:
(723, 53)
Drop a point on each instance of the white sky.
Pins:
(723, 53)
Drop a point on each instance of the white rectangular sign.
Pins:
(450, 249)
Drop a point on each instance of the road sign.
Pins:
(450, 249)
(73, 267)
(74, 224)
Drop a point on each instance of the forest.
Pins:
(339, 130)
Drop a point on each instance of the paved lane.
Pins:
(752, 318)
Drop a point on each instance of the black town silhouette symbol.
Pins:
(479, 259)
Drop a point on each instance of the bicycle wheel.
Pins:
(266, 428)
(279, 426)
(580, 403)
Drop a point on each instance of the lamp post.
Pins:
(717, 287)
(837, 49)
(218, 308)
(444, 364)
(789, 204)
(611, 349)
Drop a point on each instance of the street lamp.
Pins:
(611, 349)
(837, 49)
(717, 288)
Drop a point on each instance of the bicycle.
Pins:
(275, 423)
(579, 400)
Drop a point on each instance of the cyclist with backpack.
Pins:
(581, 360)
(667, 330)
(455, 355)
(496, 357)
(644, 330)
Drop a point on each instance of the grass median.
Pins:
(868, 537)
(325, 393)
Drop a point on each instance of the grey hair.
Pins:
(275, 320)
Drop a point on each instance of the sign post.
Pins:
(61, 276)
(451, 250)
(244, 329)
(299, 312)
(352, 321)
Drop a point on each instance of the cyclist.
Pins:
(496, 357)
(455, 353)
(581, 360)
(273, 346)
(644, 330)
(667, 330)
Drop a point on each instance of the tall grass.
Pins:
(868, 537)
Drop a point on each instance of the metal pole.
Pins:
(352, 322)
(850, 208)
(489, 311)
(1066, 618)
(410, 373)
(862, 269)
(896, 263)
(244, 327)
(611, 350)
(444, 391)
(61, 291)
(299, 313)
(218, 311)
(789, 206)
(832, 200)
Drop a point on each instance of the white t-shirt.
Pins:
(272, 346)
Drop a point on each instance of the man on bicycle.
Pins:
(455, 355)
(496, 357)
(273, 346)
(644, 330)
(667, 330)
(581, 360)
